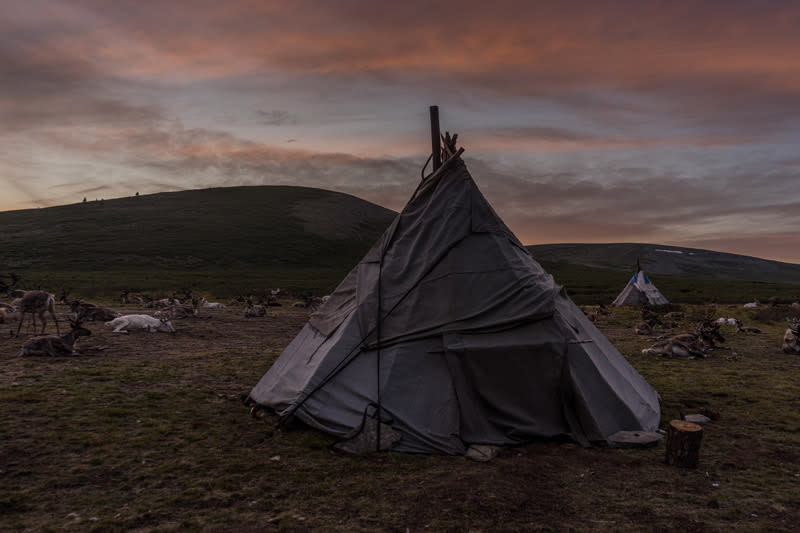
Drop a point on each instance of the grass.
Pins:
(147, 432)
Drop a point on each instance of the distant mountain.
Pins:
(669, 260)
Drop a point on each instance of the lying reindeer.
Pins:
(175, 312)
(746, 329)
(151, 324)
(99, 314)
(694, 345)
(55, 346)
(254, 310)
(791, 339)
(676, 348)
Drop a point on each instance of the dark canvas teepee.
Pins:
(451, 329)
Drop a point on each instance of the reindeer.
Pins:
(791, 339)
(163, 303)
(96, 313)
(676, 348)
(211, 305)
(649, 321)
(693, 345)
(64, 295)
(54, 346)
(254, 310)
(8, 314)
(76, 306)
(174, 312)
(147, 322)
(746, 329)
(37, 303)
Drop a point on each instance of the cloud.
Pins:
(582, 120)
(275, 117)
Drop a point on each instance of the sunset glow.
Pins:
(672, 123)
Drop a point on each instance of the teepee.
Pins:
(640, 291)
(448, 334)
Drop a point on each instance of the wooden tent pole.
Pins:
(436, 147)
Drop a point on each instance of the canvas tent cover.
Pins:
(640, 291)
(475, 344)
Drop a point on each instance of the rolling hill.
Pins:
(270, 235)
(231, 240)
(669, 260)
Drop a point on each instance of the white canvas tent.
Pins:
(452, 331)
(640, 291)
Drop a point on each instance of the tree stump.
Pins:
(683, 444)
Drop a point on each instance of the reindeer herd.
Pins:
(41, 304)
(704, 337)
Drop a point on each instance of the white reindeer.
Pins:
(211, 305)
(37, 303)
(147, 322)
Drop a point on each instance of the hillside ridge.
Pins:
(669, 260)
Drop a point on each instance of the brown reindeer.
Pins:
(55, 346)
(76, 306)
(254, 310)
(174, 312)
(746, 329)
(676, 348)
(791, 339)
(37, 303)
(96, 313)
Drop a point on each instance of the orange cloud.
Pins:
(541, 47)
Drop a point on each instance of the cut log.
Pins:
(683, 444)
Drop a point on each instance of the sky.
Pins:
(674, 122)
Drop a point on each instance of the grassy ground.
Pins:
(586, 285)
(146, 432)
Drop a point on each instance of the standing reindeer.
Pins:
(37, 303)
(56, 346)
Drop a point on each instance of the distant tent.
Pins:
(640, 291)
(452, 332)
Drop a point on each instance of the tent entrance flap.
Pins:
(509, 390)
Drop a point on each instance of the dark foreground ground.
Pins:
(147, 432)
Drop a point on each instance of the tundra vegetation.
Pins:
(148, 432)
